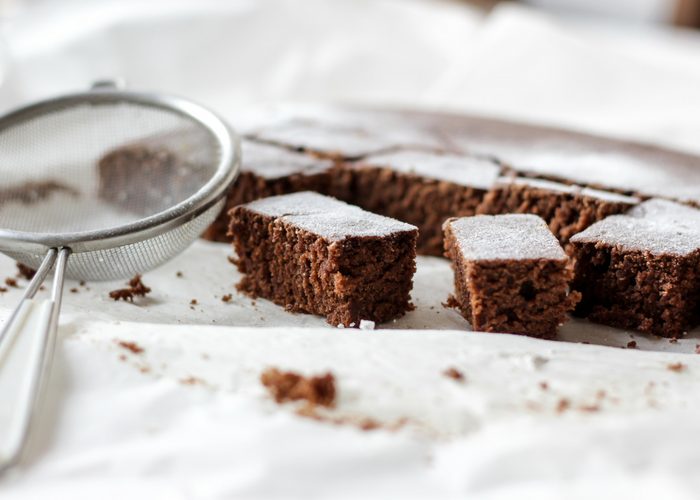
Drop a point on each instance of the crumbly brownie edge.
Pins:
(633, 289)
(346, 281)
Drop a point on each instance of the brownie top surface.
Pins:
(505, 237)
(572, 189)
(331, 139)
(274, 162)
(657, 226)
(459, 169)
(327, 217)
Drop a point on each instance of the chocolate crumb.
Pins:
(131, 346)
(179, 274)
(74, 290)
(227, 298)
(450, 303)
(135, 288)
(82, 283)
(454, 374)
(193, 302)
(697, 348)
(544, 386)
(631, 344)
(676, 367)
(11, 282)
(563, 405)
(42, 288)
(289, 386)
(25, 272)
(3, 289)
(192, 381)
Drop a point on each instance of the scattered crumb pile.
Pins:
(135, 288)
(25, 272)
(289, 386)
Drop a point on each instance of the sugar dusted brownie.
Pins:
(568, 209)
(421, 187)
(268, 170)
(641, 270)
(314, 254)
(511, 275)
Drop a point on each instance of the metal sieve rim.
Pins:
(84, 241)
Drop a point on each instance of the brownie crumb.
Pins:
(135, 288)
(697, 348)
(631, 344)
(11, 282)
(179, 274)
(563, 405)
(130, 346)
(454, 374)
(226, 298)
(544, 386)
(74, 290)
(192, 381)
(193, 302)
(676, 367)
(3, 289)
(25, 272)
(289, 386)
(82, 283)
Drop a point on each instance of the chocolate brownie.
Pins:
(420, 187)
(511, 274)
(567, 208)
(314, 254)
(641, 270)
(153, 174)
(268, 170)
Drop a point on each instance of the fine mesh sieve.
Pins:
(98, 185)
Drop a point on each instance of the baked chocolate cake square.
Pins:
(511, 274)
(568, 209)
(641, 270)
(314, 254)
(268, 170)
(420, 187)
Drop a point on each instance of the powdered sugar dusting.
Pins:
(327, 217)
(568, 189)
(273, 162)
(335, 141)
(464, 170)
(657, 226)
(499, 237)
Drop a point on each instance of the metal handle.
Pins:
(26, 349)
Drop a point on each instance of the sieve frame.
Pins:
(209, 194)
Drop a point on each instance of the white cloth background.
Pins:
(131, 429)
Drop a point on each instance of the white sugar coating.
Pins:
(499, 237)
(464, 170)
(348, 142)
(366, 324)
(657, 226)
(569, 189)
(327, 217)
(273, 162)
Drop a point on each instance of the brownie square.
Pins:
(423, 188)
(567, 209)
(511, 275)
(314, 254)
(641, 270)
(268, 170)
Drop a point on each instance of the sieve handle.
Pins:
(26, 349)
